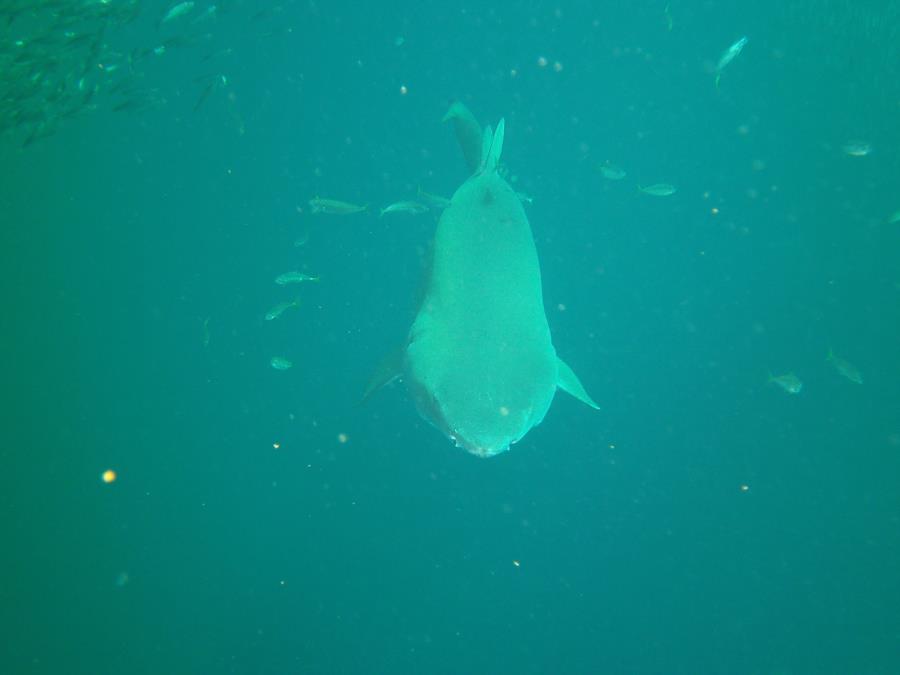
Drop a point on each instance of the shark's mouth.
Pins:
(431, 410)
(478, 450)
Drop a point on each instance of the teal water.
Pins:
(703, 521)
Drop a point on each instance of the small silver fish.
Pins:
(857, 148)
(281, 363)
(659, 189)
(844, 367)
(335, 207)
(413, 208)
(293, 278)
(208, 13)
(789, 382)
(212, 85)
(611, 171)
(728, 56)
(433, 200)
(280, 308)
(176, 11)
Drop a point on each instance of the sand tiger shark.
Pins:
(479, 360)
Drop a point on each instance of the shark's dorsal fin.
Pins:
(493, 158)
(491, 147)
(487, 137)
(568, 381)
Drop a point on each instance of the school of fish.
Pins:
(62, 60)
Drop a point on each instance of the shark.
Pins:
(479, 360)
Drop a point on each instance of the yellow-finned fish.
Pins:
(789, 382)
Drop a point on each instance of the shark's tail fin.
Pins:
(468, 133)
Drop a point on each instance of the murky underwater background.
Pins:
(157, 163)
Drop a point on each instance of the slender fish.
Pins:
(335, 207)
(280, 308)
(728, 56)
(844, 367)
(413, 208)
(659, 190)
(176, 11)
(433, 200)
(293, 278)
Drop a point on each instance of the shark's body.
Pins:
(479, 360)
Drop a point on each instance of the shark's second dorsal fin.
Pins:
(492, 146)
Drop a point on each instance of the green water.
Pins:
(703, 521)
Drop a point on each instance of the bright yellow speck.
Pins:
(108, 476)
(342, 438)
(276, 445)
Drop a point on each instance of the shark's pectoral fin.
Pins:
(388, 370)
(568, 381)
